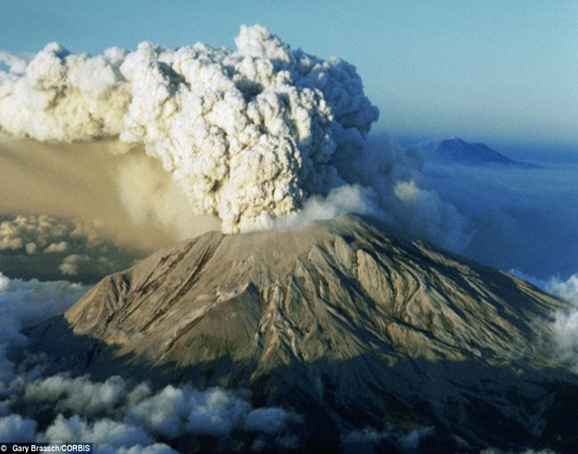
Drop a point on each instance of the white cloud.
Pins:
(567, 290)
(260, 136)
(80, 395)
(63, 246)
(90, 251)
(526, 451)
(112, 414)
(267, 420)
(216, 412)
(105, 432)
(71, 263)
(406, 190)
(47, 232)
(14, 427)
(518, 217)
(28, 302)
(16, 64)
(566, 321)
(9, 239)
(156, 448)
(564, 342)
(4, 283)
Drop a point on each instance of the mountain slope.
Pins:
(293, 294)
(345, 324)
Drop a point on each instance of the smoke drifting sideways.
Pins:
(116, 415)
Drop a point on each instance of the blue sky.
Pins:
(489, 70)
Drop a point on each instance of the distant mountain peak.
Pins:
(457, 150)
(460, 149)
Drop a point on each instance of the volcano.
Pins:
(375, 340)
(458, 151)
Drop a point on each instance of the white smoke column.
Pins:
(247, 135)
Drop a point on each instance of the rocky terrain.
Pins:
(376, 341)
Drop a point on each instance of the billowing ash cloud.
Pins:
(246, 134)
(116, 415)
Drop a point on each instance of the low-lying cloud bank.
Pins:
(116, 415)
(53, 248)
(22, 304)
(516, 217)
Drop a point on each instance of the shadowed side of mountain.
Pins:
(458, 406)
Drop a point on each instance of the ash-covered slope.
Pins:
(332, 290)
(337, 318)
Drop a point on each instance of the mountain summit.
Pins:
(372, 339)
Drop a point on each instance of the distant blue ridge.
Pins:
(462, 152)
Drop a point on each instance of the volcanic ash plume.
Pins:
(247, 135)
